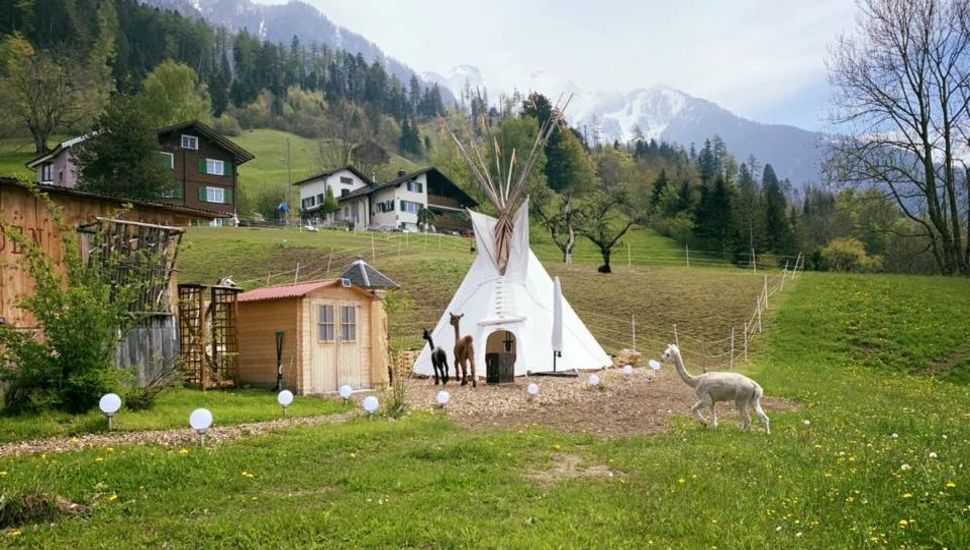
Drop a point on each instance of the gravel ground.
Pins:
(645, 403)
(179, 437)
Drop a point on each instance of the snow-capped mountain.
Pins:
(281, 22)
(664, 113)
(457, 79)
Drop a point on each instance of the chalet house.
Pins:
(203, 162)
(395, 204)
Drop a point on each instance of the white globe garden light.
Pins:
(346, 391)
(594, 380)
(371, 404)
(285, 399)
(201, 421)
(628, 370)
(443, 397)
(110, 404)
(654, 364)
(533, 390)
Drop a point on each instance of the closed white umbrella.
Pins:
(556, 321)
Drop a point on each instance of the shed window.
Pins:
(325, 324)
(348, 323)
(45, 173)
(190, 142)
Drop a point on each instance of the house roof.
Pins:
(363, 275)
(329, 173)
(292, 290)
(430, 170)
(241, 154)
(73, 191)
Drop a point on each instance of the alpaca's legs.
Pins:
(444, 369)
(761, 415)
(743, 413)
(697, 410)
(437, 369)
(713, 414)
(471, 364)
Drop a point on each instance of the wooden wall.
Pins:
(258, 323)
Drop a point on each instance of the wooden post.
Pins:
(329, 259)
(745, 344)
(687, 253)
(268, 277)
(754, 261)
(759, 316)
(296, 274)
(373, 251)
(439, 241)
(633, 327)
(629, 259)
(732, 347)
(676, 339)
(766, 292)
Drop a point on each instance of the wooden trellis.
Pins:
(208, 334)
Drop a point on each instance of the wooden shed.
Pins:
(334, 333)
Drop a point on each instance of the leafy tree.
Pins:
(604, 224)
(42, 91)
(330, 204)
(426, 218)
(171, 94)
(121, 156)
(848, 255)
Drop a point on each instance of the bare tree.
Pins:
(562, 226)
(345, 128)
(902, 89)
(604, 223)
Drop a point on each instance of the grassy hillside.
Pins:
(875, 457)
(16, 152)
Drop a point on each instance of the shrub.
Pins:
(82, 316)
(848, 255)
(227, 125)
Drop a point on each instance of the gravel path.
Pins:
(645, 403)
(177, 437)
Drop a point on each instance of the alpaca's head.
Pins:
(455, 319)
(426, 335)
(668, 355)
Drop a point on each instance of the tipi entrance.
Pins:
(500, 347)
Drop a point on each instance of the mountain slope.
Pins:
(281, 22)
(670, 115)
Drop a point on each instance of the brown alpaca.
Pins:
(464, 352)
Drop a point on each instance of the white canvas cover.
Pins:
(520, 302)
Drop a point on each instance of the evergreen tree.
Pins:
(778, 232)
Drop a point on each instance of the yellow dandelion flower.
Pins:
(99, 459)
(183, 451)
(681, 480)
(950, 485)
(903, 523)
(113, 497)
(353, 455)
(557, 446)
(3, 473)
(14, 533)
(907, 495)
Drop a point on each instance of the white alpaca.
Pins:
(712, 387)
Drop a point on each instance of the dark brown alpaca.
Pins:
(464, 352)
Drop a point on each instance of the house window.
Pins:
(346, 180)
(386, 206)
(344, 192)
(320, 198)
(415, 187)
(215, 195)
(46, 175)
(216, 167)
(325, 324)
(190, 142)
(411, 207)
(168, 159)
(348, 323)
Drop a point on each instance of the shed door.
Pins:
(323, 375)
(349, 337)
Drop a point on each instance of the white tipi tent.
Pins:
(506, 298)
(519, 302)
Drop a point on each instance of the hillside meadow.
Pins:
(875, 456)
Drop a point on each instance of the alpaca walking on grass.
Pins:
(712, 387)
(464, 352)
(439, 360)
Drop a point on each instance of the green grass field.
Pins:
(170, 411)
(16, 152)
(876, 456)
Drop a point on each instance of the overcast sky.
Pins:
(762, 59)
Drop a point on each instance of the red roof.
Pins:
(292, 290)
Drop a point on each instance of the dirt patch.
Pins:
(943, 365)
(24, 509)
(646, 403)
(565, 467)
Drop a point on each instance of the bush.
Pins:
(227, 125)
(848, 255)
(82, 316)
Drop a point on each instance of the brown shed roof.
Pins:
(292, 290)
